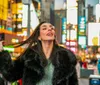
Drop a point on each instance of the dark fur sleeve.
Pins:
(73, 79)
(1, 81)
(65, 71)
(72, 61)
(11, 70)
(5, 60)
(72, 57)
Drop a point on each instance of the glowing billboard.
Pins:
(3, 9)
(94, 34)
(72, 12)
(34, 19)
(97, 12)
(64, 33)
(82, 41)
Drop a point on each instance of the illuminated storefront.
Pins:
(33, 17)
(17, 16)
(71, 27)
(9, 39)
(3, 13)
(94, 34)
(64, 34)
(82, 39)
(98, 12)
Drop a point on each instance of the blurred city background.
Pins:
(77, 24)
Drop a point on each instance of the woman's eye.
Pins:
(53, 27)
(44, 28)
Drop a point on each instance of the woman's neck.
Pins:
(47, 48)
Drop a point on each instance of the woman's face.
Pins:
(47, 32)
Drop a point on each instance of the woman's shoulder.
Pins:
(65, 49)
(67, 53)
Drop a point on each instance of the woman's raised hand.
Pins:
(1, 46)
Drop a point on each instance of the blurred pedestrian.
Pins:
(98, 66)
(44, 62)
(98, 60)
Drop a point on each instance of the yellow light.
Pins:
(13, 40)
(39, 6)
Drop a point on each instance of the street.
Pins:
(83, 81)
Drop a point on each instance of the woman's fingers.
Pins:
(1, 45)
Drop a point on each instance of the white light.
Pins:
(25, 14)
(93, 34)
(25, 33)
(19, 16)
(19, 26)
(34, 18)
(72, 16)
(14, 26)
(82, 40)
(97, 12)
(17, 40)
(71, 3)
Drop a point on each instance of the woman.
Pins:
(43, 63)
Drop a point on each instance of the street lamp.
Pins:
(28, 2)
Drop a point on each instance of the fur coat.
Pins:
(30, 66)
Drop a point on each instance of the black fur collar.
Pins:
(62, 59)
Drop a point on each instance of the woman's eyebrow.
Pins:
(51, 25)
(46, 25)
(43, 26)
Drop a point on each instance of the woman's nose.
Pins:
(49, 28)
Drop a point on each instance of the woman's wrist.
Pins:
(1, 50)
(1, 46)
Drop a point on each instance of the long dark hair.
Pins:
(33, 38)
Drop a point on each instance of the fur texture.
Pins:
(30, 67)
